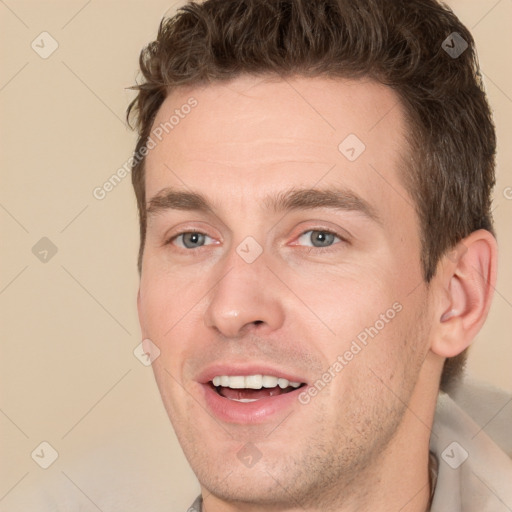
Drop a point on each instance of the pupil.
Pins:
(192, 239)
(323, 238)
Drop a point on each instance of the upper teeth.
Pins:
(252, 382)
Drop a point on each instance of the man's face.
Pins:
(270, 283)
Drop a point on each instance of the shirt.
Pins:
(472, 442)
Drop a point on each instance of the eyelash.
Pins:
(308, 248)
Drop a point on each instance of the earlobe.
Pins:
(466, 285)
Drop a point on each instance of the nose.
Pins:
(246, 297)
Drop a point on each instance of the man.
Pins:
(317, 252)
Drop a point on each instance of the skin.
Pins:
(362, 442)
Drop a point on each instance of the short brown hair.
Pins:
(403, 44)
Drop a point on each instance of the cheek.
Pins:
(375, 329)
(166, 300)
(378, 374)
(167, 316)
(396, 353)
(349, 306)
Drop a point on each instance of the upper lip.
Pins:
(232, 370)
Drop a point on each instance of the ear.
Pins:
(465, 284)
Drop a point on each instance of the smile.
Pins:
(251, 398)
(250, 388)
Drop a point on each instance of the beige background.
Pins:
(69, 326)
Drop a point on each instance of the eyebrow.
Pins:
(284, 201)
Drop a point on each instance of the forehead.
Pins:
(252, 136)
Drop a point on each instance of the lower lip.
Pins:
(258, 411)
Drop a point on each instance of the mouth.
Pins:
(249, 397)
(251, 388)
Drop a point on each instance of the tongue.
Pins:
(252, 394)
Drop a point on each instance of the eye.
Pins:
(318, 238)
(190, 240)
